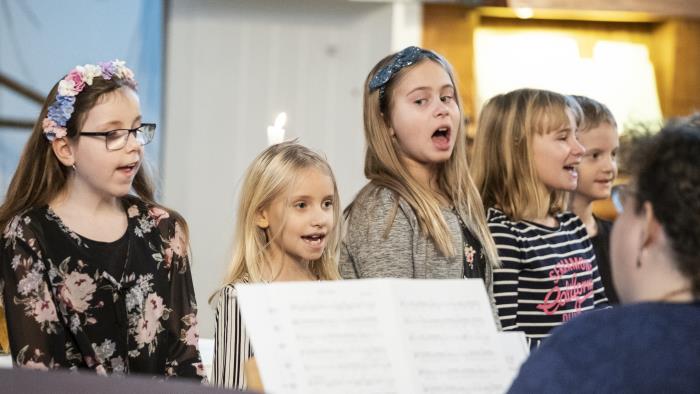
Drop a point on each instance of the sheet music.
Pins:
(374, 336)
(515, 351)
(449, 334)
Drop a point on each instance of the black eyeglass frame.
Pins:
(148, 130)
(619, 194)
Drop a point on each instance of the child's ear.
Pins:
(63, 151)
(261, 219)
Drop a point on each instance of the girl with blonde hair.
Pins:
(525, 162)
(651, 343)
(420, 215)
(286, 230)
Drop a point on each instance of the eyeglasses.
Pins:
(620, 194)
(116, 139)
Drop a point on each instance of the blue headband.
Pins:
(404, 58)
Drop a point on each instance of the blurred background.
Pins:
(215, 75)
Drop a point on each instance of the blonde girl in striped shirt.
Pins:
(525, 162)
(287, 230)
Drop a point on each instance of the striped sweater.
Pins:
(232, 347)
(548, 275)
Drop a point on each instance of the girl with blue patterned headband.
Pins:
(96, 274)
(420, 216)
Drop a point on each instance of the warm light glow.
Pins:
(281, 120)
(619, 74)
(627, 83)
(524, 12)
(275, 133)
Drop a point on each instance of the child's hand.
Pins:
(252, 375)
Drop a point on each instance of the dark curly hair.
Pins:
(665, 168)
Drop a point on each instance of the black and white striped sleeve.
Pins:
(231, 343)
(507, 277)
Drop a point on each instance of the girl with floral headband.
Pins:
(96, 274)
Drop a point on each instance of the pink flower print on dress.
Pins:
(35, 366)
(158, 214)
(191, 335)
(11, 231)
(148, 325)
(146, 332)
(32, 360)
(44, 309)
(133, 211)
(77, 291)
(101, 371)
(177, 242)
(168, 258)
(199, 367)
(154, 307)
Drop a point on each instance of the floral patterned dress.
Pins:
(66, 309)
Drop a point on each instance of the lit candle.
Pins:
(275, 133)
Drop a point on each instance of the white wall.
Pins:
(231, 66)
(407, 24)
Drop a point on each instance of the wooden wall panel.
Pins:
(449, 30)
(676, 56)
(673, 43)
(686, 73)
(586, 33)
(664, 59)
(658, 7)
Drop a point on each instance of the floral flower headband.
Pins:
(54, 125)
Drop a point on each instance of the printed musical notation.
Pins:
(377, 336)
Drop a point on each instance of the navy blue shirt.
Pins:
(643, 348)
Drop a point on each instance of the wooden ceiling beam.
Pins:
(21, 89)
(16, 124)
(678, 8)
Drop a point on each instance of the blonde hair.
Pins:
(384, 168)
(269, 176)
(503, 167)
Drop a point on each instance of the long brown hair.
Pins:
(40, 177)
(384, 168)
